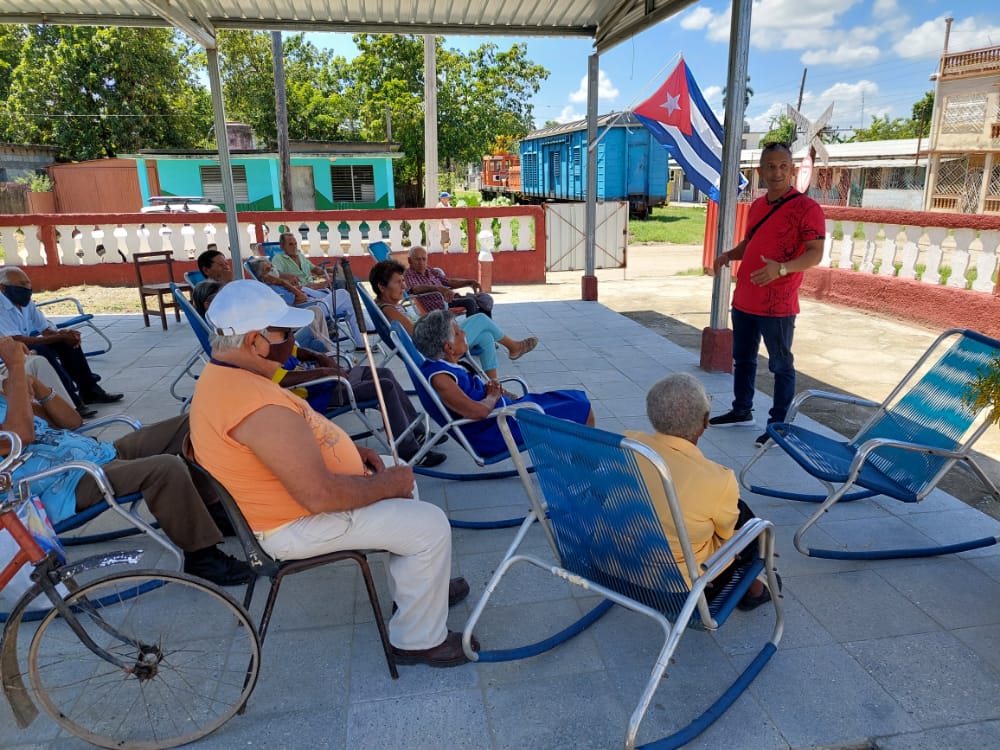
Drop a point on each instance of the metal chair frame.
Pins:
(82, 319)
(607, 538)
(276, 570)
(911, 440)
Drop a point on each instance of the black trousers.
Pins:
(745, 557)
(71, 366)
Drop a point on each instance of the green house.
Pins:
(324, 175)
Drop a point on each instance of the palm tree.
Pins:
(746, 97)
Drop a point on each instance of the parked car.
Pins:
(179, 204)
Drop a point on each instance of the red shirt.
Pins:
(782, 238)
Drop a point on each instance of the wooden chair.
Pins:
(161, 290)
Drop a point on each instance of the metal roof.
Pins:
(621, 120)
(608, 22)
(901, 152)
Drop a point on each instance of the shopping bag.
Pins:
(32, 514)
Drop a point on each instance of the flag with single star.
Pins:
(678, 116)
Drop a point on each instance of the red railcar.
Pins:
(501, 176)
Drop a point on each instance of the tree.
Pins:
(884, 129)
(11, 42)
(481, 94)
(921, 114)
(746, 97)
(782, 131)
(97, 92)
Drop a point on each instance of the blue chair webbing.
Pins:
(379, 251)
(931, 413)
(197, 323)
(600, 512)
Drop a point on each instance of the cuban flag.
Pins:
(679, 118)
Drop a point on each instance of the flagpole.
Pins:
(716, 347)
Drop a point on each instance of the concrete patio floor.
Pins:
(892, 655)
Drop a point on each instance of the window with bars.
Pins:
(353, 184)
(576, 161)
(211, 183)
(529, 170)
(555, 161)
(964, 113)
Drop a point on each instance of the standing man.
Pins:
(420, 279)
(787, 230)
(21, 319)
(445, 224)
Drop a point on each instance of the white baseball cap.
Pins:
(246, 305)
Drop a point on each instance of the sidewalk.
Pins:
(897, 655)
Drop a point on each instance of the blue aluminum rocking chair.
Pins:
(607, 538)
(913, 438)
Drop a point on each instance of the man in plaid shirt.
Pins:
(420, 279)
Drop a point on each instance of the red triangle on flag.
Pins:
(671, 104)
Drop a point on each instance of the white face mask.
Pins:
(272, 272)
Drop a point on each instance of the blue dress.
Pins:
(484, 435)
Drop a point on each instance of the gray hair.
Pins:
(415, 248)
(255, 264)
(432, 332)
(227, 343)
(7, 271)
(677, 405)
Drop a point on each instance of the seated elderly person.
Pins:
(386, 279)
(294, 267)
(305, 358)
(304, 487)
(420, 279)
(147, 461)
(678, 407)
(21, 318)
(442, 341)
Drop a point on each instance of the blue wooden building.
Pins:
(631, 165)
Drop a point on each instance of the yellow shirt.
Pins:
(707, 493)
(223, 398)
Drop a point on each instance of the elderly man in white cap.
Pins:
(304, 487)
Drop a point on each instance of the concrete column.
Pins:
(430, 126)
(984, 189)
(931, 182)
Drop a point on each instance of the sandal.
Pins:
(526, 346)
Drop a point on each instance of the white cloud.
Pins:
(711, 92)
(698, 18)
(927, 39)
(885, 8)
(568, 114)
(605, 89)
(764, 121)
(844, 54)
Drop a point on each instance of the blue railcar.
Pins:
(631, 165)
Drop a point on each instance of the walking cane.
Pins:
(352, 290)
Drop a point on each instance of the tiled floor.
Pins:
(894, 655)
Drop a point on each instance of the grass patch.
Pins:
(680, 225)
(691, 272)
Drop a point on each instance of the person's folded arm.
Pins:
(455, 398)
(282, 440)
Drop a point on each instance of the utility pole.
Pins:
(802, 89)
(281, 120)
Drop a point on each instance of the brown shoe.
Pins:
(458, 589)
(448, 653)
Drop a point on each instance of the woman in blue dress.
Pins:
(443, 342)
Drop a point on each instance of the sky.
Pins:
(867, 57)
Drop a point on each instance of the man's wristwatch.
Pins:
(782, 271)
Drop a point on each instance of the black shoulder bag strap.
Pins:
(781, 202)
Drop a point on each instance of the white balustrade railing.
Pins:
(99, 242)
(960, 258)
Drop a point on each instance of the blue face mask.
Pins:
(19, 295)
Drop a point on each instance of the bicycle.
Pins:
(119, 670)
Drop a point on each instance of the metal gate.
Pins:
(565, 244)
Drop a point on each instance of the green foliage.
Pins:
(921, 114)
(11, 42)
(984, 391)
(97, 91)
(782, 131)
(884, 129)
(37, 183)
(680, 225)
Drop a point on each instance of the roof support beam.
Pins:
(201, 30)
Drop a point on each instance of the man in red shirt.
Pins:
(787, 230)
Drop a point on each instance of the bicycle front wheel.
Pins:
(184, 657)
